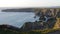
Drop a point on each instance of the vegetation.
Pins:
(46, 31)
(3, 31)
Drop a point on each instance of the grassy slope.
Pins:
(6, 31)
(57, 25)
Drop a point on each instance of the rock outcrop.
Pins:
(38, 25)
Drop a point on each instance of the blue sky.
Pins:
(29, 3)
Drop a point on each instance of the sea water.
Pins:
(16, 18)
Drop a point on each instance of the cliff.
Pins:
(38, 25)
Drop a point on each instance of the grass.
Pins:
(7, 31)
(4, 31)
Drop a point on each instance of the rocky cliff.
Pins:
(38, 25)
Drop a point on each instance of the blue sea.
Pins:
(16, 18)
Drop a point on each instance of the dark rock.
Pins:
(32, 26)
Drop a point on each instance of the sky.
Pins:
(29, 3)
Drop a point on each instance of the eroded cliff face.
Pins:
(38, 25)
(48, 19)
(50, 11)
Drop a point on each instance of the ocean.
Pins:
(16, 19)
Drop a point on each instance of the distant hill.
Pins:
(27, 9)
(18, 10)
